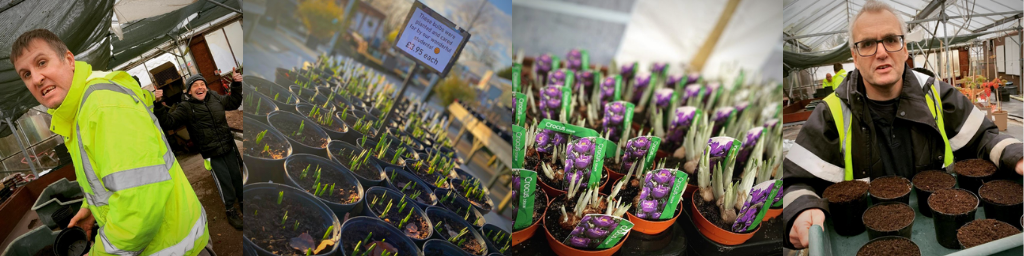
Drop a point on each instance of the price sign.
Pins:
(430, 39)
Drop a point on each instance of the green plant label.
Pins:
(520, 110)
(617, 234)
(518, 146)
(598, 232)
(567, 128)
(677, 193)
(652, 151)
(555, 63)
(597, 162)
(570, 77)
(776, 185)
(627, 119)
(618, 88)
(585, 60)
(567, 100)
(517, 77)
(527, 184)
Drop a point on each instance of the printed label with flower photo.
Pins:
(598, 232)
(755, 207)
(581, 163)
(661, 193)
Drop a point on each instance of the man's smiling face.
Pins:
(198, 90)
(46, 73)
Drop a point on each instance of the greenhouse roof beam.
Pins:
(926, 11)
(998, 22)
(797, 42)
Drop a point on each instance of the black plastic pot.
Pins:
(267, 193)
(305, 94)
(904, 231)
(332, 150)
(328, 167)
(265, 104)
(439, 247)
(1005, 213)
(495, 246)
(279, 118)
(331, 130)
(461, 174)
(71, 242)
(392, 193)
(263, 169)
(458, 204)
(285, 99)
(356, 229)
(386, 162)
(971, 183)
(905, 198)
(946, 225)
(846, 216)
(440, 214)
(922, 199)
(887, 238)
(487, 205)
(419, 185)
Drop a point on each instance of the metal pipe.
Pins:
(22, 146)
(225, 6)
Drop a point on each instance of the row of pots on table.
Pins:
(951, 208)
(548, 196)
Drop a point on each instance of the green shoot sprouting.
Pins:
(284, 218)
(405, 220)
(387, 209)
(304, 172)
(329, 229)
(332, 190)
(456, 237)
(266, 148)
(296, 226)
(275, 96)
(280, 195)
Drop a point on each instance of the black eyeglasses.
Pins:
(867, 48)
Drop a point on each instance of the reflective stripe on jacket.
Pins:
(141, 199)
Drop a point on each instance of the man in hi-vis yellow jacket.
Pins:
(134, 188)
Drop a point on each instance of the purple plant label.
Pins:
(618, 88)
(755, 207)
(527, 186)
(598, 231)
(518, 146)
(517, 77)
(660, 194)
(520, 108)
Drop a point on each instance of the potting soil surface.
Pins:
(452, 228)
(276, 150)
(952, 201)
(344, 192)
(933, 180)
(922, 233)
(890, 247)
(308, 135)
(366, 170)
(845, 191)
(478, 202)
(416, 227)
(984, 231)
(889, 187)
(1003, 192)
(400, 182)
(263, 225)
(890, 217)
(974, 167)
(539, 204)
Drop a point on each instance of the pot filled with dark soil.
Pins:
(411, 186)
(335, 128)
(451, 227)
(282, 97)
(305, 94)
(890, 246)
(540, 205)
(358, 161)
(257, 106)
(357, 119)
(475, 192)
(889, 219)
(971, 173)
(366, 235)
(330, 182)
(953, 209)
(433, 171)
(304, 135)
(400, 211)
(283, 220)
(1002, 200)
(264, 149)
(927, 182)
(890, 189)
(438, 247)
(454, 202)
(847, 201)
(983, 231)
(497, 238)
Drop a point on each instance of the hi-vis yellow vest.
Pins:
(133, 185)
(841, 116)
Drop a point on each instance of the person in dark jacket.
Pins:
(891, 131)
(201, 111)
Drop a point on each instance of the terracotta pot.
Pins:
(652, 227)
(527, 233)
(772, 213)
(561, 249)
(713, 232)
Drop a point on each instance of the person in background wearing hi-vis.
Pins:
(900, 122)
(834, 81)
(202, 113)
(134, 188)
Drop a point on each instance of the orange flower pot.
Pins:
(562, 249)
(652, 227)
(527, 233)
(772, 213)
(713, 232)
